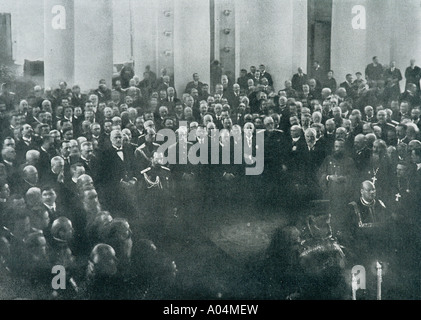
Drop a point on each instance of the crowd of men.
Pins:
(77, 167)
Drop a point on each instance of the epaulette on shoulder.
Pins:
(260, 130)
(165, 168)
(142, 146)
(145, 170)
(391, 125)
(278, 130)
(382, 203)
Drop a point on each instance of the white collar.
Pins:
(53, 207)
(367, 204)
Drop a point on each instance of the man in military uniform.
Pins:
(383, 124)
(155, 185)
(144, 153)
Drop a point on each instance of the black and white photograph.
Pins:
(224, 152)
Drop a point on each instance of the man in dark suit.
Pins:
(411, 95)
(392, 76)
(234, 97)
(26, 143)
(87, 158)
(65, 149)
(298, 80)
(329, 135)
(170, 100)
(49, 199)
(276, 147)
(8, 155)
(103, 93)
(297, 143)
(116, 175)
(313, 155)
(413, 74)
(317, 73)
(289, 90)
(374, 71)
(138, 132)
(347, 84)
(54, 175)
(265, 74)
(77, 99)
(362, 153)
(242, 79)
(195, 83)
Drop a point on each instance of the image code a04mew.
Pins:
(231, 309)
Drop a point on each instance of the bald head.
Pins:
(32, 156)
(33, 197)
(367, 184)
(368, 191)
(62, 229)
(84, 181)
(30, 174)
(360, 141)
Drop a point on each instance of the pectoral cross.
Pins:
(398, 195)
(374, 179)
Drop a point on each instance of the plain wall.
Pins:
(273, 32)
(393, 32)
(93, 42)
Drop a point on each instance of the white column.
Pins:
(349, 33)
(93, 43)
(58, 42)
(145, 17)
(191, 41)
